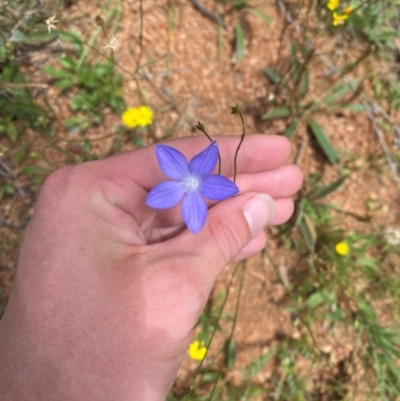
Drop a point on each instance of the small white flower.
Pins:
(112, 44)
(50, 23)
(392, 236)
(271, 97)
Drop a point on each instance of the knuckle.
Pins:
(56, 183)
(64, 183)
(56, 179)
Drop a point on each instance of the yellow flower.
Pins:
(339, 19)
(348, 10)
(333, 4)
(137, 116)
(197, 350)
(342, 248)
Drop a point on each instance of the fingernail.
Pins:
(258, 212)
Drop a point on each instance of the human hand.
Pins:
(108, 290)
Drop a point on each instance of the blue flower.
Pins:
(192, 182)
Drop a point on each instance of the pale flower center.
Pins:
(191, 183)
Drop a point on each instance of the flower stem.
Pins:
(201, 128)
(195, 385)
(236, 110)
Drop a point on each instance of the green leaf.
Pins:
(315, 300)
(10, 129)
(239, 40)
(40, 37)
(21, 153)
(74, 38)
(323, 141)
(76, 121)
(6, 189)
(103, 69)
(369, 263)
(293, 49)
(31, 170)
(355, 108)
(18, 36)
(230, 353)
(273, 75)
(306, 84)
(210, 377)
(68, 62)
(307, 229)
(324, 190)
(366, 311)
(9, 189)
(138, 141)
(65, 84)
(57, 73)
(337, 92)
(277, 112)
(88, 79)
(77, 102)
(257, 365)
(291, 129)
(261, 14)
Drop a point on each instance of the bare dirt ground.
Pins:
(187, 77)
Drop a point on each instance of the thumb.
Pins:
(230, 226)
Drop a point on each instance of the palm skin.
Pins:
(108, 290)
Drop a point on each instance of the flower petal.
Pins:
(194, 211)
(172, 162)
(216, 187)
(165, 195)
(204, 162)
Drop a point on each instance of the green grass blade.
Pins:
(289, 131)
(323, 140)
(261, 14)
(307, 229)
(324, 190)
(338, 91)
(274, 76)
(239, 39)
(277, 112)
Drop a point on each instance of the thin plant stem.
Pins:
(193, 388)
(238, 298)
(235, 110)
(201, 128)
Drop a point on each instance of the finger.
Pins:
(284, 209)
(258, 153)
(173, 217)
(283, 182)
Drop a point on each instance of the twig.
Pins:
(23, 85)
(11, 225)
(382, 141)
(299, 153)
(207, 14)
(6, 171)
(140, 36)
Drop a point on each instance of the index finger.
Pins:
(258, 153)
